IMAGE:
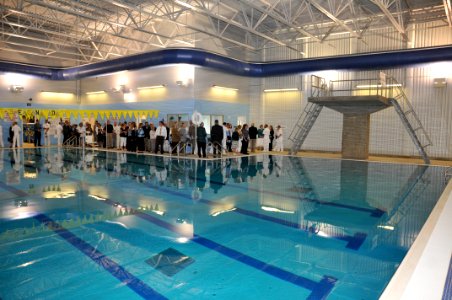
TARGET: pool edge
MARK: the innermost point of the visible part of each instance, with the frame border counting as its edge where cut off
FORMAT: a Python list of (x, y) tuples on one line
[(423, 271)]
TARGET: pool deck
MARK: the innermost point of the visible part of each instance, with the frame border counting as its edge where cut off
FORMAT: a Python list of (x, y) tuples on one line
[(426, 271)]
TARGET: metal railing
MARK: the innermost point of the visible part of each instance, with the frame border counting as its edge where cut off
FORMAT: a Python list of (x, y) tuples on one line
[(179, 149), (72, 141), (448, 174)]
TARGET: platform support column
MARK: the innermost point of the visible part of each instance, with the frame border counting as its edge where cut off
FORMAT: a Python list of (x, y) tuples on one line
[(355, 135)]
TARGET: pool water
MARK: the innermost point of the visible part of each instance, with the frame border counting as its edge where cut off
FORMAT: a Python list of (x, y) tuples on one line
[(85, 225)]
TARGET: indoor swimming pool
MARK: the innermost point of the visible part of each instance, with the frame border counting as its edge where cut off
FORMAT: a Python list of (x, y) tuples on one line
[(108, 225)]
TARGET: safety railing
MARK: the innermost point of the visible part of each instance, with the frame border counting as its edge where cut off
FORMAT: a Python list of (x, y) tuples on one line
[(72, 141), (448, 174), (180, 149), (363, 87)]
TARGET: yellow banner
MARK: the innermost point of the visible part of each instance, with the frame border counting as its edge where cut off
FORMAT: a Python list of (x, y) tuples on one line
[(46, 113)]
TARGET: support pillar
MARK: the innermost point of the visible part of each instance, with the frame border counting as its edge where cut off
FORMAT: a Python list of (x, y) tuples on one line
[(355, 135)]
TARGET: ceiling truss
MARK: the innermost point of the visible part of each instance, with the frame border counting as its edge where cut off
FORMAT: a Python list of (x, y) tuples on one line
[(74, 32)]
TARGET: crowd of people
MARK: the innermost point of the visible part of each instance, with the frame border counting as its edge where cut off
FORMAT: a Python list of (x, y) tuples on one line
[(173, 137)]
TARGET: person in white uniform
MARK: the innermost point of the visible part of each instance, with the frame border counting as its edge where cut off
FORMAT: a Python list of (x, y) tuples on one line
[(16, 137), (117, 132), (1, 136), (225, 136), (59, 134), (46, 128), (266, 139), (279, 139)]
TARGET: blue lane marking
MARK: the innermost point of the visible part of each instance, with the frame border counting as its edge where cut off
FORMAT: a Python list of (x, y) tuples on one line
[(319, 290), (447, 293), (13, 190), (98, 257)]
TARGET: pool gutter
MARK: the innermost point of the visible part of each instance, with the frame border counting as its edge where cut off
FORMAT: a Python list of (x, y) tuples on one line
[(423, 271)]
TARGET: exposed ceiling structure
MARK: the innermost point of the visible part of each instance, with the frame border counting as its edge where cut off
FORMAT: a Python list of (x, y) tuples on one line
[(75, 32)]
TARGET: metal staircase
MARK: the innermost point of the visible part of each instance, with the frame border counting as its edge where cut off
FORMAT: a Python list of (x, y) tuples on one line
[(308, 116), (409, 119)]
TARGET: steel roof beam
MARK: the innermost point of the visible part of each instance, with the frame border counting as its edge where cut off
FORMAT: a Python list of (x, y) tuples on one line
[(333, 17), (391, 18)]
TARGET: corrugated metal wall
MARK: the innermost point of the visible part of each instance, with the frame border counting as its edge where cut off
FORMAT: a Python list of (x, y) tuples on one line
[(388, 136)]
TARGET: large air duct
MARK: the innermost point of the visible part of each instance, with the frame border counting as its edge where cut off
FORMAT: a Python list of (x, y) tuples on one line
[(378, 60)]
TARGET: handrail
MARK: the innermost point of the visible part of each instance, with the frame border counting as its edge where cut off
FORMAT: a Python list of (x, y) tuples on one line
[(448, 174), (70, 141), (221, 146), (175, 147)]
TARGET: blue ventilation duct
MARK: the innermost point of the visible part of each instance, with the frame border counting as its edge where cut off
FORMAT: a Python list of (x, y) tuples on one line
[(379, 60)]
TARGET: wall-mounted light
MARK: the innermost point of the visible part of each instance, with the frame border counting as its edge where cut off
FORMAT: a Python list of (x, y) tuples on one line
[(57, 93), (439, 82), (121, 89), (224, 88), (95, 92), (151, 87), (180, 83), (16, 89), (374, 86), (280, 90)]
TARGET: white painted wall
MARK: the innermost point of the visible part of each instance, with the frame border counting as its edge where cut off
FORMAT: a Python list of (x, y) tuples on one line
[(388, 136)]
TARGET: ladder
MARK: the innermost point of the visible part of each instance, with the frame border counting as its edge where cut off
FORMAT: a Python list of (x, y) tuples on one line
[(410, 120), (309, 115), (304, 125)]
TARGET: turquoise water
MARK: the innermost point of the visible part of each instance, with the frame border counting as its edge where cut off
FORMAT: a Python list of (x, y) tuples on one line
[(126, 226)]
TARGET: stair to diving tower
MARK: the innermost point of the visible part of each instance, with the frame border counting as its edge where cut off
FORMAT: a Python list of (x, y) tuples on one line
[(304, 125), (309, 115), (410, 120)]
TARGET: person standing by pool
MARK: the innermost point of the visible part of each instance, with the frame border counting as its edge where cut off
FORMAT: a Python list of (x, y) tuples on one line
[(59, 134), (216, 136), (123, 136), (117, 132), (160, 137), (16, 135), (272, 136), (201, 135), (1, 137), (245, 139), (266, 138), (253, 137), (37, 133), (46, 133), (279, 139)]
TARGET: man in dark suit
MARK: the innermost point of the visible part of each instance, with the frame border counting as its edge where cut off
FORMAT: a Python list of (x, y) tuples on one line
[(216, 136)]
